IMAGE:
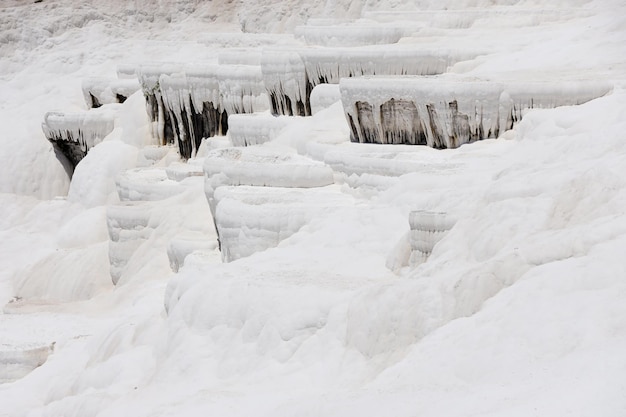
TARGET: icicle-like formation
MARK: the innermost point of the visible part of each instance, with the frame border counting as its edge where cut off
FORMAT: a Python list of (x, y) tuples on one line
[(192, 103), (329, 65), (253, 219), (349, 35), (149, 76), (445, 112), (290, 75), (286, 82), (239, 56), (128, 227), (199, 100), (427, 229), (256, 128), (241, 89), (520, 97), (99, 91), (74, 134), (420, 111)]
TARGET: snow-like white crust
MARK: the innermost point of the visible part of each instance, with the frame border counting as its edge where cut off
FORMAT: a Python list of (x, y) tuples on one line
[(76, 133), (253, 219), (446, 112), (255, 128), (99, 91)]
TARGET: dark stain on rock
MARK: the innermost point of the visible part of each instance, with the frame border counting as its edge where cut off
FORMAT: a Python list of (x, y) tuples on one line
[(365, 117), (95, 103), (401, 123), (436, 130)]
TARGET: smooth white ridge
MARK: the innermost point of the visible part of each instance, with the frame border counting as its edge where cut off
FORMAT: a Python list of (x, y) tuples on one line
[(255, 128), (146, 184), (349, 35), (324, 96), (183, 245), (239, 56), (99, 91)]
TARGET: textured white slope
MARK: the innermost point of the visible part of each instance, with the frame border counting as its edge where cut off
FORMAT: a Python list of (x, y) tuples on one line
[(517, 311)]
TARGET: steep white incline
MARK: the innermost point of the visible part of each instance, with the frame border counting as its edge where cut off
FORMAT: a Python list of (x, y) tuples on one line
[(115, 300)]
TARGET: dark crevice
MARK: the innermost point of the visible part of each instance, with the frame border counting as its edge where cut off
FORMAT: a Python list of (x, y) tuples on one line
[(95, 103)]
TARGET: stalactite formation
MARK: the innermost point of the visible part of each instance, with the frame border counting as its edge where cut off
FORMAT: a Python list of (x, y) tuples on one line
[(74, 134), (290, 75), (193, 103), (446, 113)]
